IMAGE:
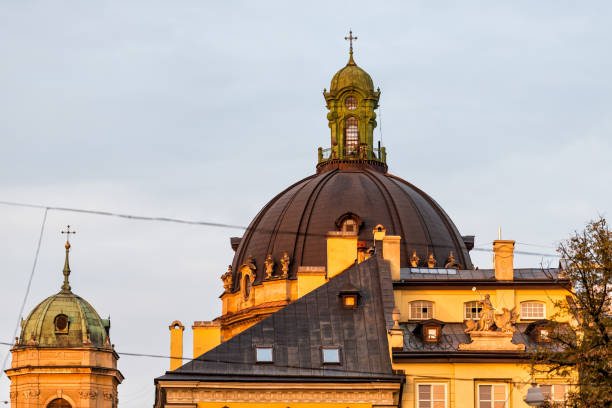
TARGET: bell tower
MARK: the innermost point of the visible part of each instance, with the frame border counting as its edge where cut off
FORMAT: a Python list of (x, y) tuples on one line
[(351, 102)]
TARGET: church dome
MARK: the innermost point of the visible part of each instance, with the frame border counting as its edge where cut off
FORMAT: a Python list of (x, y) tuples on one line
[(298, 219), (64, 320), (352, 76)]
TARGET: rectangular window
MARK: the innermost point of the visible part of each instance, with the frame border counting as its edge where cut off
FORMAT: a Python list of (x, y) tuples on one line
[(331, 355), (264, 354), (492, 396), (421, 310), (431, 396), (472, 310), (532, 311), (554, 392)]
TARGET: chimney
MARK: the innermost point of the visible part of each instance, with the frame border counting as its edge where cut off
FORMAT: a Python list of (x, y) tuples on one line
[(341, 251), (504, 259), (176, 344)]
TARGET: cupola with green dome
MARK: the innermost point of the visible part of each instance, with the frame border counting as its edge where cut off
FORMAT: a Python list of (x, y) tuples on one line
[(351, 101), (64, 319)]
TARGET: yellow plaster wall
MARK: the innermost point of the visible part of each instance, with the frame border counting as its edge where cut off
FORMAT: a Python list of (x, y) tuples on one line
[(206, 336), (341, 252), (309, 281), (461, 381), (449, 303)]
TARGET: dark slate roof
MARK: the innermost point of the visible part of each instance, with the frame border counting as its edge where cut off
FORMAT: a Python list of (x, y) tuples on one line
[(452, 334), (299, 331), (298, 219), (444, 274)]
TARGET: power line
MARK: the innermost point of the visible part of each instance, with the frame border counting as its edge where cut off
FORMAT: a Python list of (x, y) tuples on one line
[(221, 225), (25, 296), (333, 369)]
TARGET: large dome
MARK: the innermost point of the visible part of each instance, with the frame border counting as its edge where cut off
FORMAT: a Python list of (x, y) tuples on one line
[(298, 219)]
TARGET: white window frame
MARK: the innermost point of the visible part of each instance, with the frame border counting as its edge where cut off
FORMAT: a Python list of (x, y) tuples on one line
[(465, 310), (263, 347), (528, 303), (552, 391), (493, 400), (422, 302), (418, 393)]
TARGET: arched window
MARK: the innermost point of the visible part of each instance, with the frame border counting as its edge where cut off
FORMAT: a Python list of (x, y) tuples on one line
[(421, 310), (350, 103), (349, 225), (472, 310), (532, 311), (351, 136), (59, 403)]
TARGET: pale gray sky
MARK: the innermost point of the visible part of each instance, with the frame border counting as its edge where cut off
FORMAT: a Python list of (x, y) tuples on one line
[(205, 110)]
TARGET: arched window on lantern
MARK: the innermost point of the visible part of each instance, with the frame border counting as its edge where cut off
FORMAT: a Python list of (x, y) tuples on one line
[(59, 403), (351, 136)]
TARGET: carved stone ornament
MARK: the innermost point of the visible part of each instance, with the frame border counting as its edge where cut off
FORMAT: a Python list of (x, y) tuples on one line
[(452, 262), (88, 394), (31, 394), (493, 331), (285, 261), (227, 279), (269, 264), (108, 396), (414, 260), (431, 261), (13, 395)]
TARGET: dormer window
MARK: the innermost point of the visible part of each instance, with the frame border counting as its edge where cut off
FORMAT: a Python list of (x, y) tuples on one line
[(349, 226), (351, 136), (432, 333), (350, 103), (543, 335), (62, 322), (349, 223), (349, 296)]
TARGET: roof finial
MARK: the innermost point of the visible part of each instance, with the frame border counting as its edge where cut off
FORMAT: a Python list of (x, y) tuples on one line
[(66, 271), (350, 38)]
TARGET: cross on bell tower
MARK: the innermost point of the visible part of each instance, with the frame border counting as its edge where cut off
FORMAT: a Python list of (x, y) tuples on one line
[(66, 271), (350, 39)]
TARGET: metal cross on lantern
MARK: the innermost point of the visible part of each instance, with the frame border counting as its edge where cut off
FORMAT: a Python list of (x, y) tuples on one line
[(68, 232)]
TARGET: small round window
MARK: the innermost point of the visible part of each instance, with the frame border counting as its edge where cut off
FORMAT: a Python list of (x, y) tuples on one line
[(61, 323), (351, 103)]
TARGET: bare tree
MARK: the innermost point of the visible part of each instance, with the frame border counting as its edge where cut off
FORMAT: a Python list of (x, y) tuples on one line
[(583, 349)]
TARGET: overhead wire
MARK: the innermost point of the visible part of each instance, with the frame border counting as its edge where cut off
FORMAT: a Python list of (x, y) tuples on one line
[(217, 224), (332, 369), (29, 285)]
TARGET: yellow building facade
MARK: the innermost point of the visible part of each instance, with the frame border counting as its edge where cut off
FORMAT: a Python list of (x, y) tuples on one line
[(353, 288)]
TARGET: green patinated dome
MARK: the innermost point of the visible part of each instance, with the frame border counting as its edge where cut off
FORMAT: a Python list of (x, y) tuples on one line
[(352, 75), (64, 320), (44, 326)]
